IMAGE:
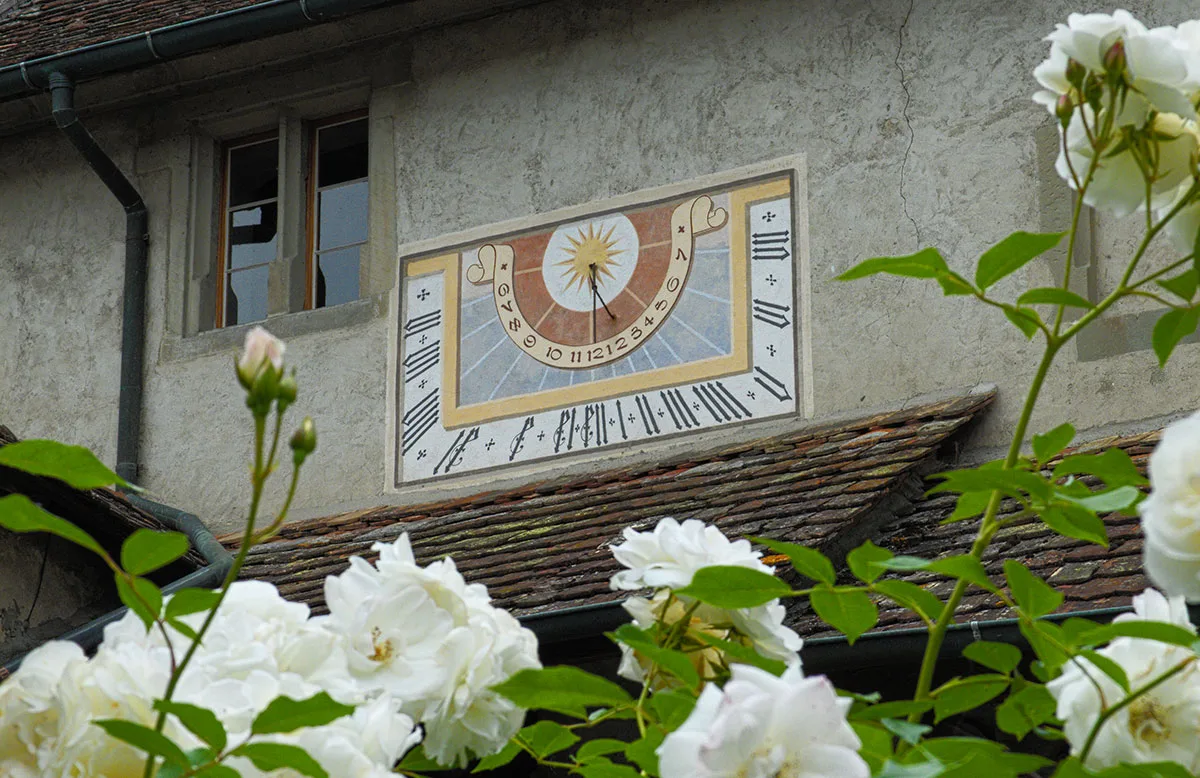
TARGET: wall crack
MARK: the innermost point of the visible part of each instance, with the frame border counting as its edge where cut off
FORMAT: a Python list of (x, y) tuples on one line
[(907, 119)]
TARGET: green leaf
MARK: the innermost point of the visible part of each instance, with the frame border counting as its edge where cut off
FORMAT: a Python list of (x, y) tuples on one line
[(876, 744), (284, 714), (1014, 483), (849, 612), (19, 514), (964, 694), (417, 761), (975, 757), (1183, 285), (676, 663), (1024, 319), (892, 710), (807, 561), (195, 757), (146, 550), (1011, 254), (671, 708), (510, 752), (74, 465), (730, 586), (1120, 499), (1046, 445), (1172, 327), (564, 689), (863, 560), (1136, 628), (142, 597), (190, 600), (740, 654), (599, 747), (1114, 467), (930, 768), (1001, 657), (926, 263), (642, 752), (965, 567), (201, 722), (547, 737), (278, 756), (911, 596), (905, 563), (144, 739), (1034, 596), (1108, 667), (1075, 521), (953, 284), (1053, 295), (968, 506), (909, 732), (1023, 711), (603, 768), (1044, 638)]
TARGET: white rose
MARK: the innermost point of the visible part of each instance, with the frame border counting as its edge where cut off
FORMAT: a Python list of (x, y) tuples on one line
[(671, 554), (760, 726), (1171, 514), (261, 348), (1160, 725), (28, 717), (1184, 225), (434, 641)]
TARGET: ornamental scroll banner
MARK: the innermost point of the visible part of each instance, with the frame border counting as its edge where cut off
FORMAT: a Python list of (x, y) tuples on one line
[(636, 322)]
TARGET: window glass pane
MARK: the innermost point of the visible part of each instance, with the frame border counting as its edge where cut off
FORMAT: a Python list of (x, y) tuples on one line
[(246, 296), (252, 235), (342, 152), (337, 277), (343, 216), (253, 172)]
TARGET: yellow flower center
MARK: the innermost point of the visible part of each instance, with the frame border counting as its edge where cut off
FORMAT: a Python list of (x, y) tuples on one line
[(1148, 721), (383, 649)]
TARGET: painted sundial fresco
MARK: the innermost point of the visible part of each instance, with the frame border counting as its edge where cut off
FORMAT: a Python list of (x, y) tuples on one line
[(652, 320)]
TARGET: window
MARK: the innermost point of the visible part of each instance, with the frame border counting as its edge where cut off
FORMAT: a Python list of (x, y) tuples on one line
[(253, 233)]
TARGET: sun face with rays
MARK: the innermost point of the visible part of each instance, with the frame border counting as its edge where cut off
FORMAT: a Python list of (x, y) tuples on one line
[(587, 250)]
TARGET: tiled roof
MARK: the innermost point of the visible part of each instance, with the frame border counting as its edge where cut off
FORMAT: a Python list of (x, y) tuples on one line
[(544, 547), (1090, 576), (34, 28), (103, 513)]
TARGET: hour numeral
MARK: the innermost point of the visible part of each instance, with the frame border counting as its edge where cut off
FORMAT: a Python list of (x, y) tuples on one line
[(769, 245), (681, 414), (518, 442), (595, 425), (772, 384), (648, 420), (720, 403), (454, 454), (419, 418), (421, 323), (564, 434), (421, 360), (771, 313)]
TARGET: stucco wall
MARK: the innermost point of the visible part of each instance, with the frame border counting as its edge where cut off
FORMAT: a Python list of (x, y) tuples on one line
[(917, 127)]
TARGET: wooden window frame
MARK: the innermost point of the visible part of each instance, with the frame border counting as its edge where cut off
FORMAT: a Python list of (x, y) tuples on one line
[(310, 201), (223, 247)]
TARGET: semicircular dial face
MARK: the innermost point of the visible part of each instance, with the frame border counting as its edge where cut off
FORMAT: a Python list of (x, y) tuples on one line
[(592, 292)]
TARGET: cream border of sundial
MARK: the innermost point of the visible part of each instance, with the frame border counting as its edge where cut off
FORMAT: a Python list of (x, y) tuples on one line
[(454, 416)]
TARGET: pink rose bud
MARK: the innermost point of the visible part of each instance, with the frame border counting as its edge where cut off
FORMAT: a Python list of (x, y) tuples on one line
[(1076, 72), (304, 440), (1114, 58), (261, 349)]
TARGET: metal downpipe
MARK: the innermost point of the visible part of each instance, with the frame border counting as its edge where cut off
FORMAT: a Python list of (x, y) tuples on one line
[(137, 240)]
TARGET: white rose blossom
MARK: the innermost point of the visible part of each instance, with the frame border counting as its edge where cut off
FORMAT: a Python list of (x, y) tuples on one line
[(434, 641), (761, 726), (1158, 726), (261, 348), (1171, 514), (668, 557)]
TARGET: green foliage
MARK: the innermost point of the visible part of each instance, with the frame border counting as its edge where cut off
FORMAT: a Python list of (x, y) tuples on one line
[(1172, 327), (1108, 667), (674, 662), (968, 506), (563, 689), (547, 737), (284, 714), (1114, 467), (190, 600), (1135, 628), (876, 744), (890, 710), (1026, 320), (505, 755), (963, 694), (417, 761), (968, 757), (671, 708), (1182, 285), (1053, 295), (74, 465), (144, 739), (1033, 596), (740, 654), (641, 751), (850, 612), (910, 595), (146, 550), (964, 567), (1025, 710), (729, 586), (863, 561), (1048, 444), (19, 514), (807, 561), (909, 732), (599, 747), (201, 722), (603, 768), (278, 756), (1071, 768), (926, 263), (1001, 657), (141, 596), (1013, 253)]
